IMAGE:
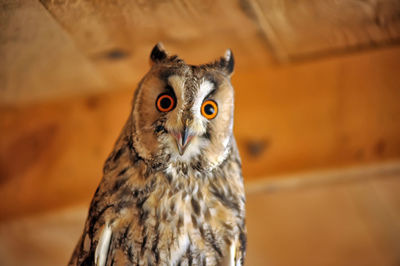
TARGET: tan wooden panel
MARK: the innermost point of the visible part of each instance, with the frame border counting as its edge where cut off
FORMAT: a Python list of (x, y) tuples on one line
[(54, 49), (378, 217), (38, 59), (304, 29), (118, 35), (133, 27), (41, 240), (319, 114), (307, 228), (322, 225), (387, 191), (87, 46), (53, 154)]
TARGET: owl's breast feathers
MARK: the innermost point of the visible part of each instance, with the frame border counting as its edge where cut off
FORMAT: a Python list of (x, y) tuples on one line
[(148, 212)]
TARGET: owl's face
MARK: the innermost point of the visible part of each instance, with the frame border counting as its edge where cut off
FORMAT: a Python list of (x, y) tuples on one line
[(183, 112)]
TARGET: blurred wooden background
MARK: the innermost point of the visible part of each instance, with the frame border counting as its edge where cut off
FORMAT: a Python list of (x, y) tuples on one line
[(317, 85)]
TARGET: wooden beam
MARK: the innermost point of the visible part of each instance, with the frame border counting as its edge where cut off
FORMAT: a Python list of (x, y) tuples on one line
[(298, 30), (325, 113), (39, 60), (53, 49), (343, 224), (118, 36)]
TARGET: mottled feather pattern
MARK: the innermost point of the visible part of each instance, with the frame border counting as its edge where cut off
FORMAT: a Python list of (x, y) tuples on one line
[(155, 206)]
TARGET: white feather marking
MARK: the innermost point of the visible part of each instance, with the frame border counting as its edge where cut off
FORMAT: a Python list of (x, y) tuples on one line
[(183, 243), (232, 254), (178, 84), (229, 258), (205, 88), (102, 246)]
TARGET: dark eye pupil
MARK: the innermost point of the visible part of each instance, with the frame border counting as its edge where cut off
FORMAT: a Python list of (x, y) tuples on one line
[(165, 103), (209, 109)]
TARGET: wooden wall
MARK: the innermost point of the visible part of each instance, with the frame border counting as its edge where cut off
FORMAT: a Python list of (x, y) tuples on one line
[(309, 95), (326, 113)]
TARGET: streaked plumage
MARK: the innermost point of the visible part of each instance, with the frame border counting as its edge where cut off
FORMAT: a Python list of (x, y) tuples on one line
[(172, 191)]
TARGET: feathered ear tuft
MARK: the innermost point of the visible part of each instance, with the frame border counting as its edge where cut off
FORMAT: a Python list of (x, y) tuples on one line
[(225, 63), (158, 53), (229, 62)]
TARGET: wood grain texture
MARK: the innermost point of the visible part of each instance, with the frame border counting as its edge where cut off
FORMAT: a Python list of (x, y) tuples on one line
[(320, 114), (39, 60), (340, 224), (134, 26), (55, 49), (117, 36), (52, 154), (305, 29), (46, 239)]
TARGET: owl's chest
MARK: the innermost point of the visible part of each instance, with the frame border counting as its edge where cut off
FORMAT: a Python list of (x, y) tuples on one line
[(189, 223)]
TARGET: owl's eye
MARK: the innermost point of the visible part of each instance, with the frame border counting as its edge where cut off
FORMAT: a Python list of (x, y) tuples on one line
[(165, 102), (209, 109)]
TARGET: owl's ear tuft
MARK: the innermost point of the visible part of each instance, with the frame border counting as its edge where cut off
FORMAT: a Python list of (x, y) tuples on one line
[(158, 53), (226, 63), (230, 61)]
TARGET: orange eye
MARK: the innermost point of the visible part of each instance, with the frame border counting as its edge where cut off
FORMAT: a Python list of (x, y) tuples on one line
[(209, 109), (165, 102)]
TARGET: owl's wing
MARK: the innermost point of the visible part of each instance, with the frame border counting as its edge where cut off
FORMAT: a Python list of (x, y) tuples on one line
[(229, 258), (100, 255), (89, 252), (111, 195), (234, 256), (101, 227)]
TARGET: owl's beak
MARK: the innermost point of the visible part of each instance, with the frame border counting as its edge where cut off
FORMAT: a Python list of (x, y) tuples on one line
[(182, 140)]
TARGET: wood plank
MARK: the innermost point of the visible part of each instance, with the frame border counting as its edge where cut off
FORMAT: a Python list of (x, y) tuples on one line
[(53, 49), (321, 225), (307, 228), (52, 154), (384, 227), (41, 240), (86, 46), (131, 26), (38, 59), (387, 191), (319, 114), (305, 29), (118, 36), (386, 187)]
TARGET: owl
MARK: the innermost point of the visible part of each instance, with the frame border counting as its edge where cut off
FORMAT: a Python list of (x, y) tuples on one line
[(172, 188)]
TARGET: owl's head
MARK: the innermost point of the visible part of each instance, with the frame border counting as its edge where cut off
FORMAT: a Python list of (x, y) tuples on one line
[(184, 113)]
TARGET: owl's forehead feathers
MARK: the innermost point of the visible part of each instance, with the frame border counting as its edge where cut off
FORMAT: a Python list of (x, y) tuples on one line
[(189, 90)]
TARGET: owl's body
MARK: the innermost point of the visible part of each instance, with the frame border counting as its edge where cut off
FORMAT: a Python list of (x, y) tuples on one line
[(172, 191)]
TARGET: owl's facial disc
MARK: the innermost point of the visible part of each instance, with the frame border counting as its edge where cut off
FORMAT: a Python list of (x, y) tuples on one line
[(182, 139)]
